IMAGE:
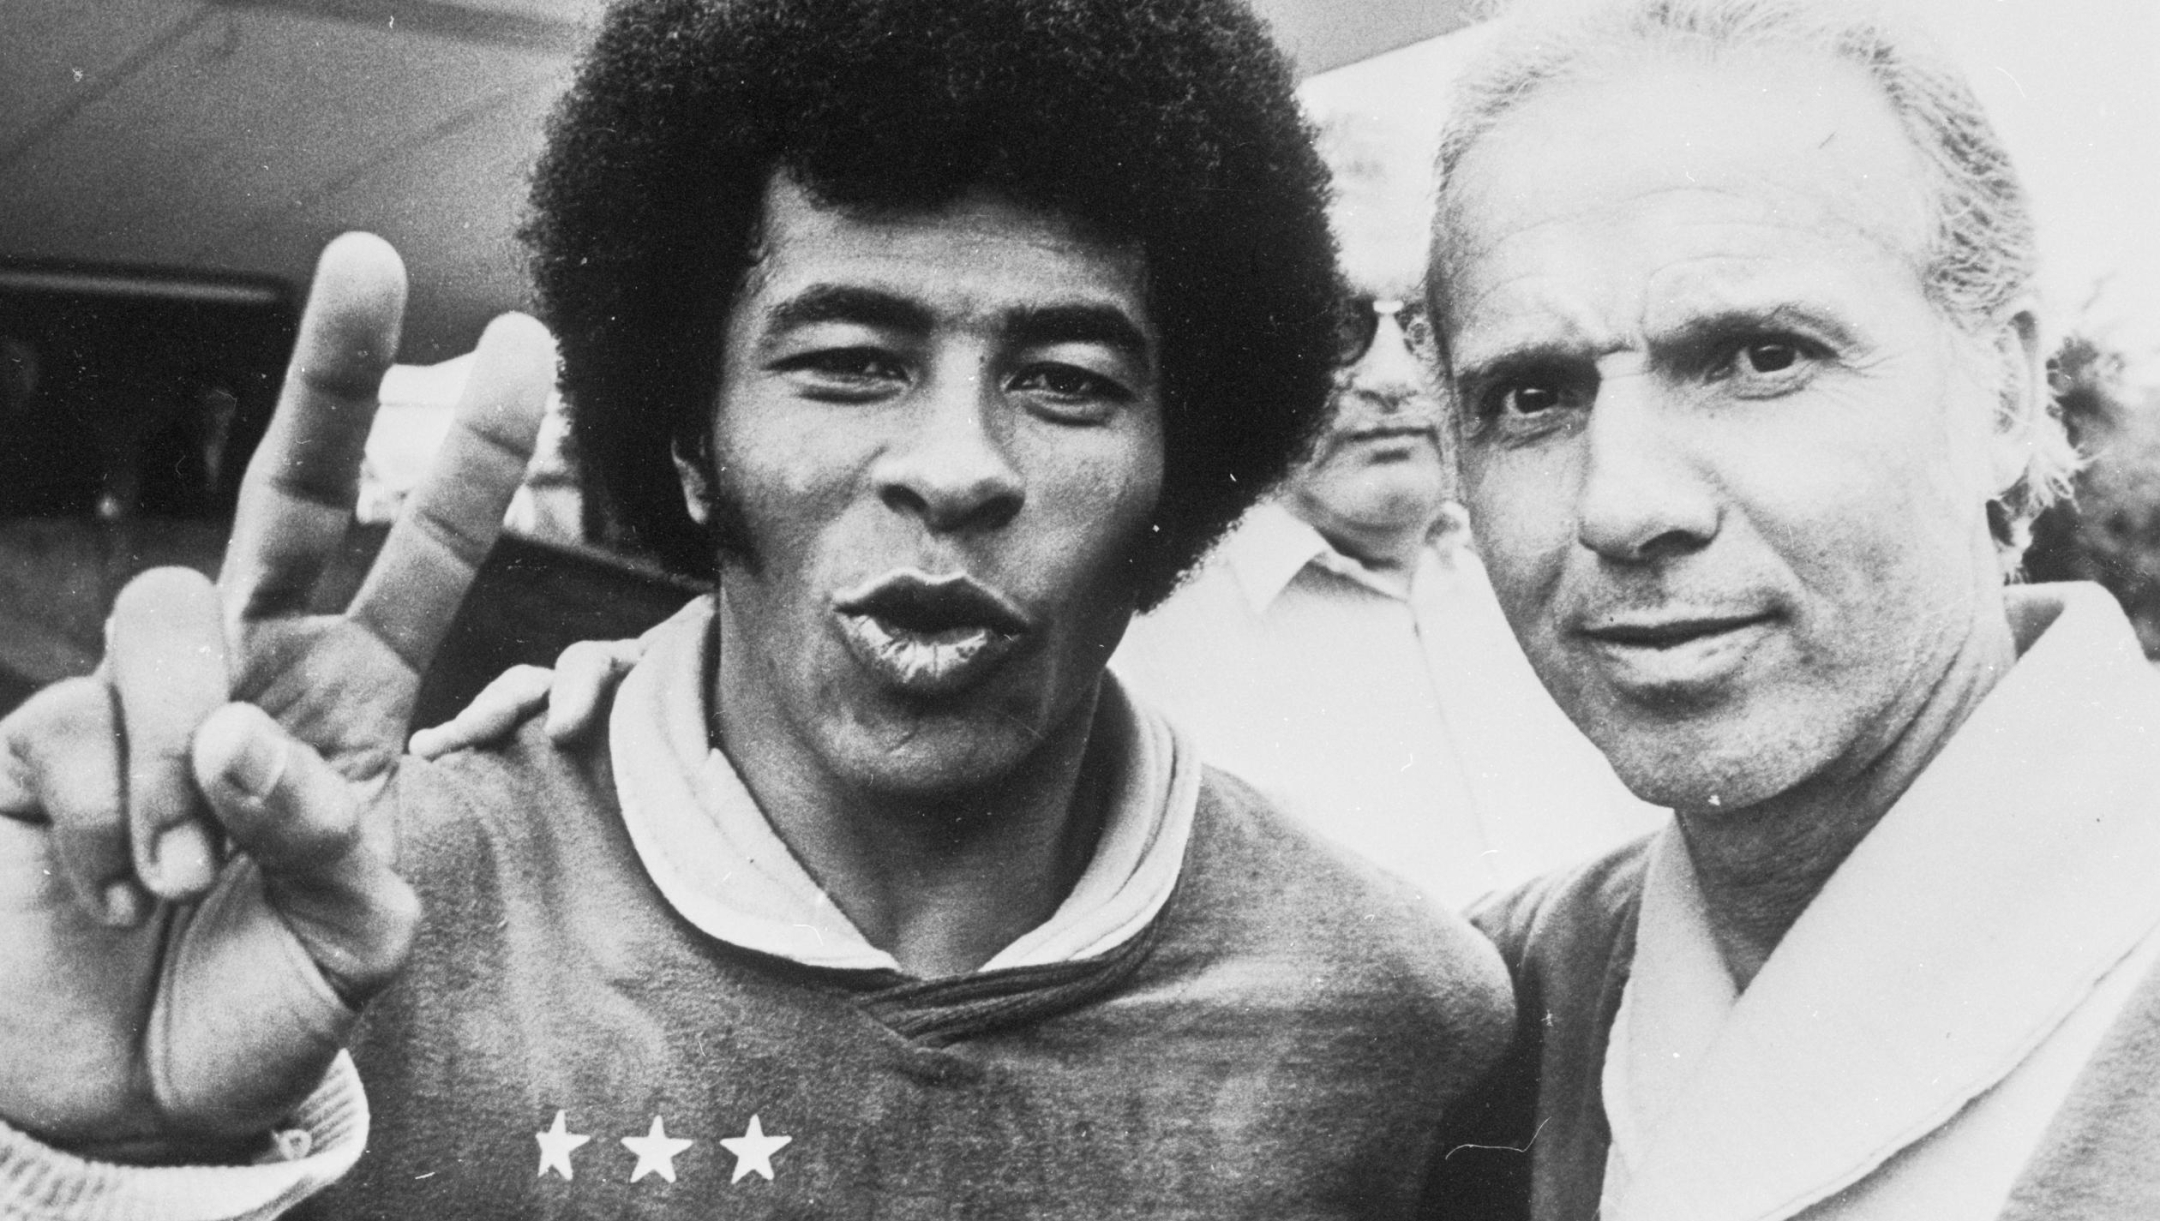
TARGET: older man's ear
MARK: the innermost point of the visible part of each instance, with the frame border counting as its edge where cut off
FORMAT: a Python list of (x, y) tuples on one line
[(2022, 400)]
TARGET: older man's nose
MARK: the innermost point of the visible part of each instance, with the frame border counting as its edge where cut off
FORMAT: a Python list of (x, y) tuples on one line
[(1642, 495), (950, 467)]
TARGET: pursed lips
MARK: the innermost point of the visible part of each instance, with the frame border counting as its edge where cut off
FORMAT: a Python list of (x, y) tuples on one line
[(929, 635)]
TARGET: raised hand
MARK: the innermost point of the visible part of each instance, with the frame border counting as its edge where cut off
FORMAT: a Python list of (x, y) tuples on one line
[(194, 893)]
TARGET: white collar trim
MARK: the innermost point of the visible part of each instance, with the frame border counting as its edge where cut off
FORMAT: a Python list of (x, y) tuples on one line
[(1980, 912), (719, 863)]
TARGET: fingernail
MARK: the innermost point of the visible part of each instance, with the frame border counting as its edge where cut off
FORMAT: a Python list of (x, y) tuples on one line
[(257, 766), (125, 904), (182, 859)]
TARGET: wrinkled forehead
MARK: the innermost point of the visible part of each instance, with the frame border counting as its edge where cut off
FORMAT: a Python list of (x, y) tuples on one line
[(1780, 137)]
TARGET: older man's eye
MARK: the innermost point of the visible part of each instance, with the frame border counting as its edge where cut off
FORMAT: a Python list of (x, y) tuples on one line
[(1530, 400), (1520, 398), (1523, 398), (1767, 366), (1770, 356)]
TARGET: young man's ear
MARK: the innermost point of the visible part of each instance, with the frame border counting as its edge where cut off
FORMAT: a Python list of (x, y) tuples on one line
[(693, 471)]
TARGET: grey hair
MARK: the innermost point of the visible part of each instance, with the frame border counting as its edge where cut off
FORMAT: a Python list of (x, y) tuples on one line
[(1977, 262)]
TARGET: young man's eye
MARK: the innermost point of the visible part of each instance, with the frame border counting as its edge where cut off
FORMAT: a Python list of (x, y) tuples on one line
[(844, 372), (1069, 391), (1067, 381), (853, 362)]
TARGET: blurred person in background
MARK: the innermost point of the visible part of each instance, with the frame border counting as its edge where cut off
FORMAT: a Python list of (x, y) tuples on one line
[(1342, 649)]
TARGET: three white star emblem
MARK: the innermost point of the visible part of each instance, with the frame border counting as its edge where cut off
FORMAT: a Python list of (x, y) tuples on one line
[(753, 1150), (655, 1151), (555, 1146)]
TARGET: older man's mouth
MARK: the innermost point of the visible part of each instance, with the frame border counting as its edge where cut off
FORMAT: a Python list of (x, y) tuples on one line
[(929, 635), (1674, 651)]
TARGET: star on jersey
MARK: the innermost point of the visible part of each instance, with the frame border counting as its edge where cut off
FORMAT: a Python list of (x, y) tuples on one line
[(655, 1151), (753, 1150), (555, 1146)]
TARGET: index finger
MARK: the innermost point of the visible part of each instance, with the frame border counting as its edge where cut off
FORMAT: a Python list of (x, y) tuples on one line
[(436, 547), (168, 665), (297, 497)]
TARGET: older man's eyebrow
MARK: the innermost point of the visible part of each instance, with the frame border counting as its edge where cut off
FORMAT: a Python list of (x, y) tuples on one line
[(850, 303), (1550, 331), (1713, 331), (1040, 326), (1501, 362)]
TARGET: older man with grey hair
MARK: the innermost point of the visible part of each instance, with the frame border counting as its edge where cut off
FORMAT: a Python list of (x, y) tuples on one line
[(1734, 302)]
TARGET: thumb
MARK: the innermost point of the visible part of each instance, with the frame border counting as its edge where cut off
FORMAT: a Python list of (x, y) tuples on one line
[(301, 823), (167, 660)]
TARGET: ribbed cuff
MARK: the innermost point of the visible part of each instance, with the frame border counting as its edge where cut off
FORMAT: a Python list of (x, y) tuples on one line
[(314, 1148)]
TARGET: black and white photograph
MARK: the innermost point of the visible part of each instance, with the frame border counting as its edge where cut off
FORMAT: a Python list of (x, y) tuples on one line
[(1534, 610)]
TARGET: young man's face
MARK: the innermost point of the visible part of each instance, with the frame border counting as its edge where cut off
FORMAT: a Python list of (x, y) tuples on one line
[(1727, 463), (942, 435)]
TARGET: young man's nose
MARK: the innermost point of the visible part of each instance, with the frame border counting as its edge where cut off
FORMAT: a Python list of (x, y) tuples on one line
[(952, 469)]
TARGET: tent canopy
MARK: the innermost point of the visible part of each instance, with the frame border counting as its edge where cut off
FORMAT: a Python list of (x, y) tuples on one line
[(240, 135)]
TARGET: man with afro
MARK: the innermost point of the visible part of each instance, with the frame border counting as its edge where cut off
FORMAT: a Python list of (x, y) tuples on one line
[(943, 335)]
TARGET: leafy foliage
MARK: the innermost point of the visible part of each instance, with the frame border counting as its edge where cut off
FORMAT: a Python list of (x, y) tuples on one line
[(2111, 534)]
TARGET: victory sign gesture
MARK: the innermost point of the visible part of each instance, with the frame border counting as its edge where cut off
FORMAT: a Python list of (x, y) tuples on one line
[(197, 854)]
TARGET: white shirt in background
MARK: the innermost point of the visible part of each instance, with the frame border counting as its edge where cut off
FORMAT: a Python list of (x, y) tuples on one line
[(1409, 729)]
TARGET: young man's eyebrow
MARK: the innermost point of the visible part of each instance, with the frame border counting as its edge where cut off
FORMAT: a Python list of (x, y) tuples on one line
[(846, 303), (1100, 324)]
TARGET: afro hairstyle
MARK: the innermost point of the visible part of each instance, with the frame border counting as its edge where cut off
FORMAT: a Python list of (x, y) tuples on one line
[(1168, 124)]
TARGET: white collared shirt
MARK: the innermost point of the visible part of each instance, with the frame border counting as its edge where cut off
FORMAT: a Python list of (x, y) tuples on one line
[(1903, 1049), (1407, 728)]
